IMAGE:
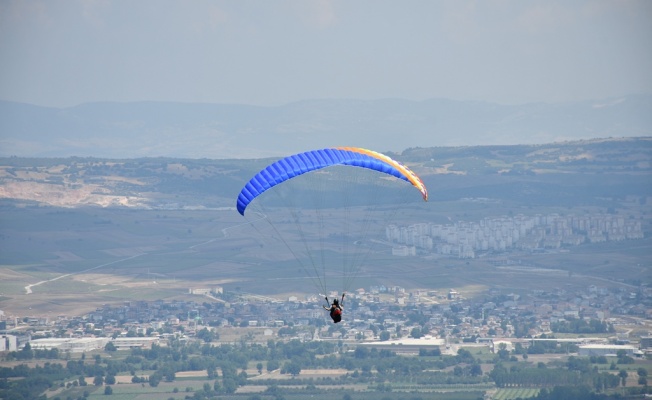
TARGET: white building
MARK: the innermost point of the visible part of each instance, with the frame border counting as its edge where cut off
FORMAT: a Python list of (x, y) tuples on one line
[(8, 343), (404, 251), (497, 345), (206, 291), (133, 342), (605, 350), (74, 345)]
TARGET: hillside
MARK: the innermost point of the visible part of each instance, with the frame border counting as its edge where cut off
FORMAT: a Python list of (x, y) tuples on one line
[(217, 131), (584, 172)]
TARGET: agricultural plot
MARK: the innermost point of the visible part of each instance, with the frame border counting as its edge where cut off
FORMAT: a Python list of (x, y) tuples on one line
[(515, 393)]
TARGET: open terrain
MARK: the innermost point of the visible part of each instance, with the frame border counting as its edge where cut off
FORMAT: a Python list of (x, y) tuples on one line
[(109, 230)]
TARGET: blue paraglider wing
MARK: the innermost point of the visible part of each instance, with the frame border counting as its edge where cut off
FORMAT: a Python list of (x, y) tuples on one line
[(298, 164)]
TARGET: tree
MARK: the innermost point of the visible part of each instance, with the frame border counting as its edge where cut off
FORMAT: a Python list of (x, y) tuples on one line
[(476, 370), (110, 347), (169, 375), (108, 390), (154, 380), (241, 380), (272, 365), (384, 336), (26, 353), (578, 364), (98, 380), (503, 354), (601, 360), (206, 335), (361, 352), (230, 386), (293, 368), (623, 377)]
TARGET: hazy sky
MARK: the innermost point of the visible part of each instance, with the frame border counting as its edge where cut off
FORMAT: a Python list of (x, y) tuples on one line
[(263, 52)]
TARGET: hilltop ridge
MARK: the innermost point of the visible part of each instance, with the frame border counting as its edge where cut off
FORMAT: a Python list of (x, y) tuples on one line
[(589, 170)]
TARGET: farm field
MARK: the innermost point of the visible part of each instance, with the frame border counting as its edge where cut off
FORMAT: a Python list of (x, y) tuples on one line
[(188, 387), (189, 382), (514, 393)]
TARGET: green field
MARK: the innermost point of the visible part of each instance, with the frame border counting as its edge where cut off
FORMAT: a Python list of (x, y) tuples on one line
[(515, 393)]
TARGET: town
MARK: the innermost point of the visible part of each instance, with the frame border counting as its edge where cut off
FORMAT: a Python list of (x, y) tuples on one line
[(528, 233), (603, 319), (600, 325)]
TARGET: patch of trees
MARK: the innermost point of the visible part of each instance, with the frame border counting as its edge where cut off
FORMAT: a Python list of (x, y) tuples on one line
[(22, 382), (571, 392), (623, 358), (27, 353), (429, 353), (545, 347), (226, 367), (577, 372), (581, 326), (365, 365)]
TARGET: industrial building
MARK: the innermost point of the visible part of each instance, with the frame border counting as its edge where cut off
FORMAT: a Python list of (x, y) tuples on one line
[(74, 345), (588, 350), (80, 345)]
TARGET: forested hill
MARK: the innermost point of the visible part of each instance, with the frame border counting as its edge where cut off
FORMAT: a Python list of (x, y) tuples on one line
[(570, 173)]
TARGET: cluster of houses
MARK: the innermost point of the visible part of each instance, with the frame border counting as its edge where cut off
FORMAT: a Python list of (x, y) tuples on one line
[(529, 233), (380, 315)]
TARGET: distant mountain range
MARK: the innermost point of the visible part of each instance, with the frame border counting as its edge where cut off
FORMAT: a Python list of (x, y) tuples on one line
[(217, 131)]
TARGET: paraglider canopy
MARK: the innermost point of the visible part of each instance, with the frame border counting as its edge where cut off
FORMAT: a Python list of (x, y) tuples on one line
[(328, 209), (298, 164)]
